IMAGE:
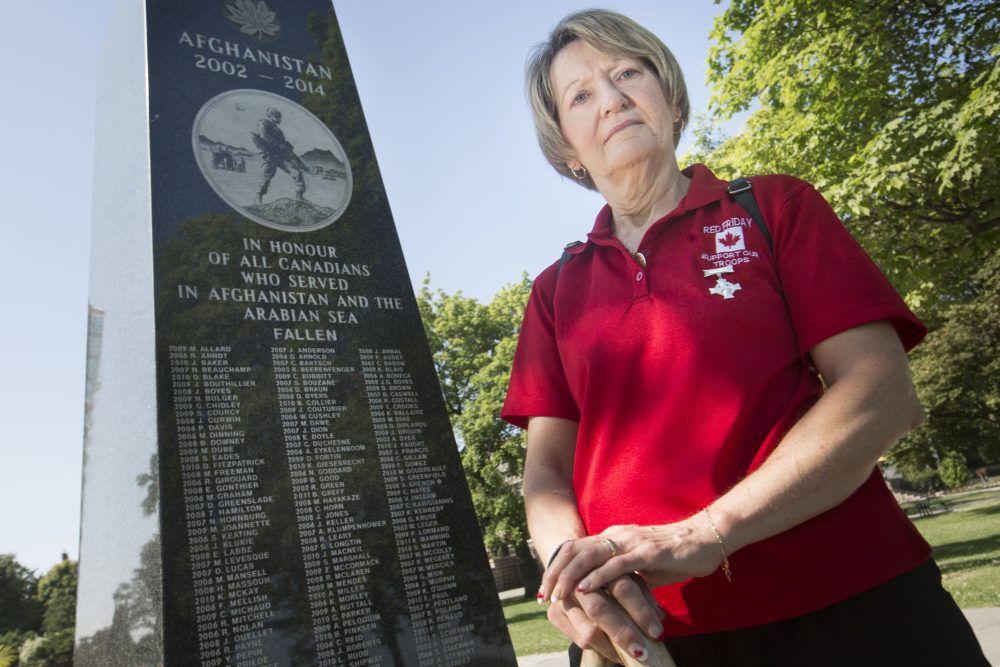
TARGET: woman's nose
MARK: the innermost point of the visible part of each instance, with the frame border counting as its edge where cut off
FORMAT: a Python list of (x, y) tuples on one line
[(612, 99)]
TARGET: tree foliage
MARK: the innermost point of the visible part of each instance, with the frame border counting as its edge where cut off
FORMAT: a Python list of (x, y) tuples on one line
[(893, 110), (20, 611), (952, 470), (957, 374), (49, 650), (462, 336), (34, 652), (57, 594), (37, 616), (473, 348), (890, 108)]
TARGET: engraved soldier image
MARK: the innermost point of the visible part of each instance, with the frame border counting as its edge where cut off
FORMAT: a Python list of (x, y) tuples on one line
[(276, 153), (263, 154)]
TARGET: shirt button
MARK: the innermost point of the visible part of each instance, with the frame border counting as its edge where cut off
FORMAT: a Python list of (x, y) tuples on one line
[(638, 276)]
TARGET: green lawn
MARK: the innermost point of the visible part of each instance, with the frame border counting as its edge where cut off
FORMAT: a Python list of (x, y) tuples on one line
[(530, 630), (966, 545)]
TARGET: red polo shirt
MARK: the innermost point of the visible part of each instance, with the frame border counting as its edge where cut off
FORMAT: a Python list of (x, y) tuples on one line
[(683, 382)]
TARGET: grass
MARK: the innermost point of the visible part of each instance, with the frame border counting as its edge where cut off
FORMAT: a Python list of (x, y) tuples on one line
[(966, 545), (962, 501), (530, 630)]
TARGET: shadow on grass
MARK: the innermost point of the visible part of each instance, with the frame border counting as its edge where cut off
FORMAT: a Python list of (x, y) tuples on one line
[(532, 613), (984, 546), (988, 510), (968, 565), (533, 616)]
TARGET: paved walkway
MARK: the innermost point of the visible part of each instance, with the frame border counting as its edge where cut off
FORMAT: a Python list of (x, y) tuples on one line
[(986, 623)]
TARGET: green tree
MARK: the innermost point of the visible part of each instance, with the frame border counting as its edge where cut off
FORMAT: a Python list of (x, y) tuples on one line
[(30, 607), (49, 650), (462, 335), (34, 653), (957, 374), (20, 611), (891, 109), (57, 594), (473, 347)]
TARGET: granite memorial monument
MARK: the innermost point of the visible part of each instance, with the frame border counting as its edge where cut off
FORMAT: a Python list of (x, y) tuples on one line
[(270, 476)]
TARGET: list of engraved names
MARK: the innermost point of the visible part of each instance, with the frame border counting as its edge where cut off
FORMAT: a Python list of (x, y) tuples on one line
[(223, 508), (337, 566), (426, 559)]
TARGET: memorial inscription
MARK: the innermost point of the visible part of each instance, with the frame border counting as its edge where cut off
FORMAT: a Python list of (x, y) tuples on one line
[(310, 501)]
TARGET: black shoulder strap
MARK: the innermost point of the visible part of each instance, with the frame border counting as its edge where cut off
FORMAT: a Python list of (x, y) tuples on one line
[(741, 191), (566, 256)]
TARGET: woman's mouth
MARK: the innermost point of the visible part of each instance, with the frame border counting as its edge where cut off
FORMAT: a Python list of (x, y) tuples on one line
[(621, 126)]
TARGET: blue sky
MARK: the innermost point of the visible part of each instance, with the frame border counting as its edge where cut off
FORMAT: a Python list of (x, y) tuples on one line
[(473, 199)]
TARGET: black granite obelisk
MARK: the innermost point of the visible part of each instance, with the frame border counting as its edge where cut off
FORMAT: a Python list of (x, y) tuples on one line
[(270, 475)]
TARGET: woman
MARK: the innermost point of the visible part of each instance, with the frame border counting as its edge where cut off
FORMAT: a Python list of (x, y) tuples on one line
[(683, 455)]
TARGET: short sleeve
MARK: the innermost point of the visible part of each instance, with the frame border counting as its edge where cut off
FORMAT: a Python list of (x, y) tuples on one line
[(830, 282), (538, 386)]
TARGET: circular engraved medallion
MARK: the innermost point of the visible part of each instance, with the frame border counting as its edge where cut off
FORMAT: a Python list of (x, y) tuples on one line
[(272, 160)]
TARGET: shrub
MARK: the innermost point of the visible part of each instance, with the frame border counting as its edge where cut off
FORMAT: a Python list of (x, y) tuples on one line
[(952, 470)]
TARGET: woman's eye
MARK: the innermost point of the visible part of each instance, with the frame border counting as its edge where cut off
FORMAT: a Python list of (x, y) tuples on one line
[(629, 73), (580, 98)]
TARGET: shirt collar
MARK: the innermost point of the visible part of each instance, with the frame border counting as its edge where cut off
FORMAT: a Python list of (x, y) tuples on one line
[(704, 189)]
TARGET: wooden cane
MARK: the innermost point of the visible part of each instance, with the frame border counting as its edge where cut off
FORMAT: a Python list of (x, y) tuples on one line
[(658, 656)]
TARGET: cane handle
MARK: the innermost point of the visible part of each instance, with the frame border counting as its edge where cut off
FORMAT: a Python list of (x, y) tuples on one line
[(657, 654)]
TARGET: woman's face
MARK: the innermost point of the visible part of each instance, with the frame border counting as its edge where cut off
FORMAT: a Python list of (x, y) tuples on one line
[(611, 111)]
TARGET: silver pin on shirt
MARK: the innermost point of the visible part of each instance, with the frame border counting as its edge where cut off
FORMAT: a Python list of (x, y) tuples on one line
[(722, 287)]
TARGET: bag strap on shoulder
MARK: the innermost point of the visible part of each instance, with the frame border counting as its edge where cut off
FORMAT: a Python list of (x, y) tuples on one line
[(569, 251), (741, 190)]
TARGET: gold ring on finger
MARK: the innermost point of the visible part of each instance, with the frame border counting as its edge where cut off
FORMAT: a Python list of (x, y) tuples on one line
[(612, 546)]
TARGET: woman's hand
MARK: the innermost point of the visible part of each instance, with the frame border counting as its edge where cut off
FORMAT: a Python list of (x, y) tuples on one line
[(587, 570), (662, 555), (594, 620)]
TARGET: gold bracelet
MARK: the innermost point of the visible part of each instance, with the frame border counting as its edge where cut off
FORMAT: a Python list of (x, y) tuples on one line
[(722, 547)]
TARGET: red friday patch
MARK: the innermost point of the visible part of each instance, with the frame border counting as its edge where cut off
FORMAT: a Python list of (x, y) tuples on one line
[(730, 243), (730, 240)]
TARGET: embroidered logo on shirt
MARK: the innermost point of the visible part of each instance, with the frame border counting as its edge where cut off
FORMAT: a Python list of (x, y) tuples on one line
[(729, 240)]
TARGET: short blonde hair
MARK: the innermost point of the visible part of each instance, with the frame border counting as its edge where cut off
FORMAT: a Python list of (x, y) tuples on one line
[(610, 33)]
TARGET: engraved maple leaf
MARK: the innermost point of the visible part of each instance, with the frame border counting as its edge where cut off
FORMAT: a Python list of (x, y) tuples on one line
[(253, 18), (729, 239)]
